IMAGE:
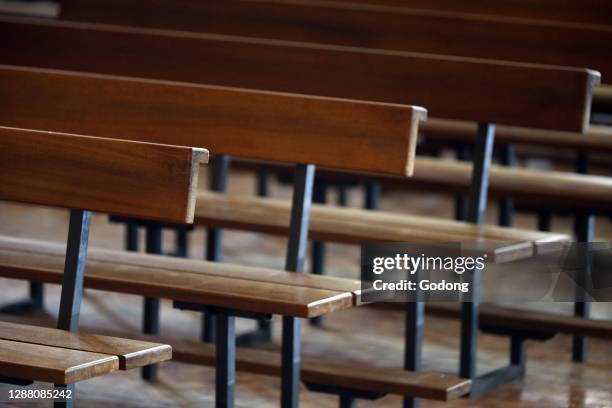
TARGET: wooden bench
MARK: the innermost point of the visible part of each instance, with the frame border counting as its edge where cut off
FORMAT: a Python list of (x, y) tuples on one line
[(60, 357), (233, 119), (389, 28), (89, 174), (284, 58)]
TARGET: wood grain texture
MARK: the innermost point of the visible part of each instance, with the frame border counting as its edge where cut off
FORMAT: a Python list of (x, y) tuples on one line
[(286, 297), (52, 364), (355, 226), (265, 125), (571, 11), (530, 186), (596, 139), (427, 384), (105, 175), (131, 353), (501, 92), (563, 189)]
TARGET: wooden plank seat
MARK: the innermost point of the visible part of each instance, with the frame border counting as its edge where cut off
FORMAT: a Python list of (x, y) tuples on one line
[(61, 357), (220, 285), (539, 188), (87, 173), (378, 380), (354, 226)]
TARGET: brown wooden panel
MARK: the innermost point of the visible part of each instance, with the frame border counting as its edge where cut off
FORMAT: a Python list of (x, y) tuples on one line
[(343, 23), (264, 125), (354, 226), (596, 139), (427, 384), (52, 364), (131, 353), (582, 11), (500, 92), (234, 293), (105, 175), (192, 266)]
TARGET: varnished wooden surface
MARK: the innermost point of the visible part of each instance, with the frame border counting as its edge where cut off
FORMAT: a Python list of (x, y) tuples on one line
[(105, 175), (52, 364), (501, 92), (341, 23), (428, 385), (285, 297), (564, 189), (131, 353), (194, 266), (354, 226), (585, 11), (270, 126), (597, 139), (359, 336), (531, 186)]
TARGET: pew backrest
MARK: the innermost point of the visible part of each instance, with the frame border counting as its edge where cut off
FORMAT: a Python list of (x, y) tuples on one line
[(270, 126), (390, 28), (571, 11), (98, 174), (516, 94)]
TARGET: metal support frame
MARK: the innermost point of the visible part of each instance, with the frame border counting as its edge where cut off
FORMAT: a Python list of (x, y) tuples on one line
[(263, 182), (373, 191), (461, 200), (74, 270), (72, 283), (225, 360), (483, 151), (544, 220), (585, 231), (506, 205), (318, 247), (151, 306), (296, 252), (413, 337), (214, 236)]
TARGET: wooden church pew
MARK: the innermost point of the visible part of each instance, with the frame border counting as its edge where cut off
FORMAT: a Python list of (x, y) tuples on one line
[(87, 174)]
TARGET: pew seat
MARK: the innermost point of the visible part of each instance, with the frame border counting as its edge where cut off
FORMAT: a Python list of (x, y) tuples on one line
[(426, 384), (218, 285), (61, 357), (529, 186), (354, 226)]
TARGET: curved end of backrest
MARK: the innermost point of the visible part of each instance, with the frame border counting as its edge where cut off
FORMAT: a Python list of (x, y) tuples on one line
[(593, 79), (198, 157), (418, 114)]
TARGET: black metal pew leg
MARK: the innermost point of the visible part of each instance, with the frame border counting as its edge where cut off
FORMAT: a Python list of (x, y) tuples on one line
[(225, 369), (506, 205), (318, 247), (373, 191), (151, 306), (413, 337), (585, 231)]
